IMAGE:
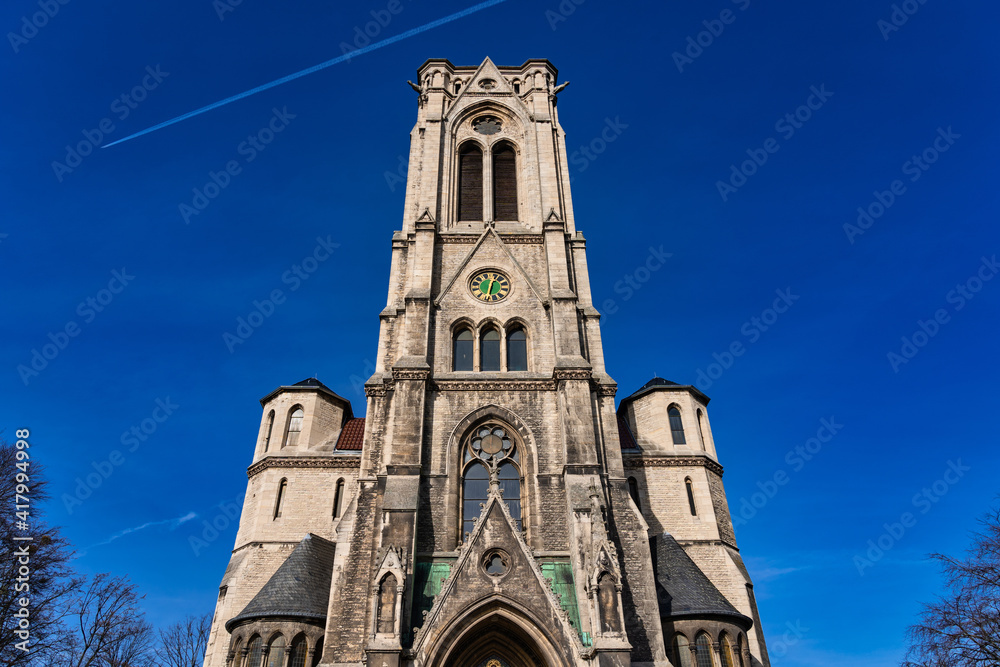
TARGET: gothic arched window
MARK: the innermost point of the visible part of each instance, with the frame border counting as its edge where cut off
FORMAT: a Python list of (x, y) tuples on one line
[(489, 350), (676, 425), (387, 604), (490, 447), (294, 427), (338, 498), (297, 657), (633, 490), (462, 351), (504, 182), (726, 649), (470, 182), (236, 652), (703, 646), (517, 349), (740, 647), (276, 652), (268, 428), (255, 651), (689, 486), (682, 651), (280, 500), (474, 488), (317, 652)]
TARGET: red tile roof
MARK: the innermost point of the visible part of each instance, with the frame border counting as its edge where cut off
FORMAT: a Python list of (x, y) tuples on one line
[(625, 435), (353, 435)]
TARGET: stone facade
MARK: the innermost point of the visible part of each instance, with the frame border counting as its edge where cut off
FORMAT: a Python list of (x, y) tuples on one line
[(494, 508)]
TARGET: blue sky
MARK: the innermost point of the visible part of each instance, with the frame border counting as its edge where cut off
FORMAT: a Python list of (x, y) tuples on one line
[(865, 99)]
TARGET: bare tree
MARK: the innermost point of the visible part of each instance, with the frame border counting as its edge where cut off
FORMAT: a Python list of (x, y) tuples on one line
[(962, 627), (106, 627), (183, 643), (47, 582)]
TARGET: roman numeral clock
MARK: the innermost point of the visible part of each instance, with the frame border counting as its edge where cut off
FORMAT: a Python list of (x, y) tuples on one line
[(490, 286)]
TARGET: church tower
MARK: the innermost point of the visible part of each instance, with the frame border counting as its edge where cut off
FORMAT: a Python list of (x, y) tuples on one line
[(493, 509)]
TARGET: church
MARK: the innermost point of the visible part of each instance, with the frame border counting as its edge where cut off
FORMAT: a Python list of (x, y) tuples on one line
[(493, 508)]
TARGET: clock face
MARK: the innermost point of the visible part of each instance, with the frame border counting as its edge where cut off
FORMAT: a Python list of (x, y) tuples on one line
[(490, 286)]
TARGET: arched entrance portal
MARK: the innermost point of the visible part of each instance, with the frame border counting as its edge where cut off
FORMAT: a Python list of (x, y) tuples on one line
[(498, 635), (495, 642)]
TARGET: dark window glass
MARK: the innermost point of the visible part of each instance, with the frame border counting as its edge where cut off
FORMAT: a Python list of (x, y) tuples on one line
[(517, 350), (504, 183), (256, 650), (704, 651), (338, 498), (474, 489), (268, 428), (727, 652), (676, 426), (463, 351), (281, 498), (690, 492), (317, 652), (633, 490), (510, 484), (489, 351), (470, 183), (297, 658)]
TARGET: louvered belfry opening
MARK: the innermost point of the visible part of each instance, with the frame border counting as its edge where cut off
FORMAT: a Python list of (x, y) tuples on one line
[(470, 182), (504, 183)]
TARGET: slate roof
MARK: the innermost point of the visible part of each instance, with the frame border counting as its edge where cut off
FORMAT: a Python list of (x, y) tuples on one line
[(683, 590), (352, 436), (310, 383), (656, 382), (299, 589)]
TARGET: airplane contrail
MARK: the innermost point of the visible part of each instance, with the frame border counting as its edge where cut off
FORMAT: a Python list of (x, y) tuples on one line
[(314, 68)]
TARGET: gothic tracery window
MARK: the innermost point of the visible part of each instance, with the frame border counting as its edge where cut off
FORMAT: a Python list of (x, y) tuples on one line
[(490, 448), (255, 651), (682, 651)]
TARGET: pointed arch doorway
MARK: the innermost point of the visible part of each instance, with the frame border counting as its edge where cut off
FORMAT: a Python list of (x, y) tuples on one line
[(498, 635), (496, 641)]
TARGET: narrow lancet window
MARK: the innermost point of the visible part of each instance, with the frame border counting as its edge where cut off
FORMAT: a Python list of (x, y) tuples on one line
[(280, 500), (517, 350), (504, 183), (690, 493), (489, 351), (470, 183), (462, 358), (676, 425), (294, 427)]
